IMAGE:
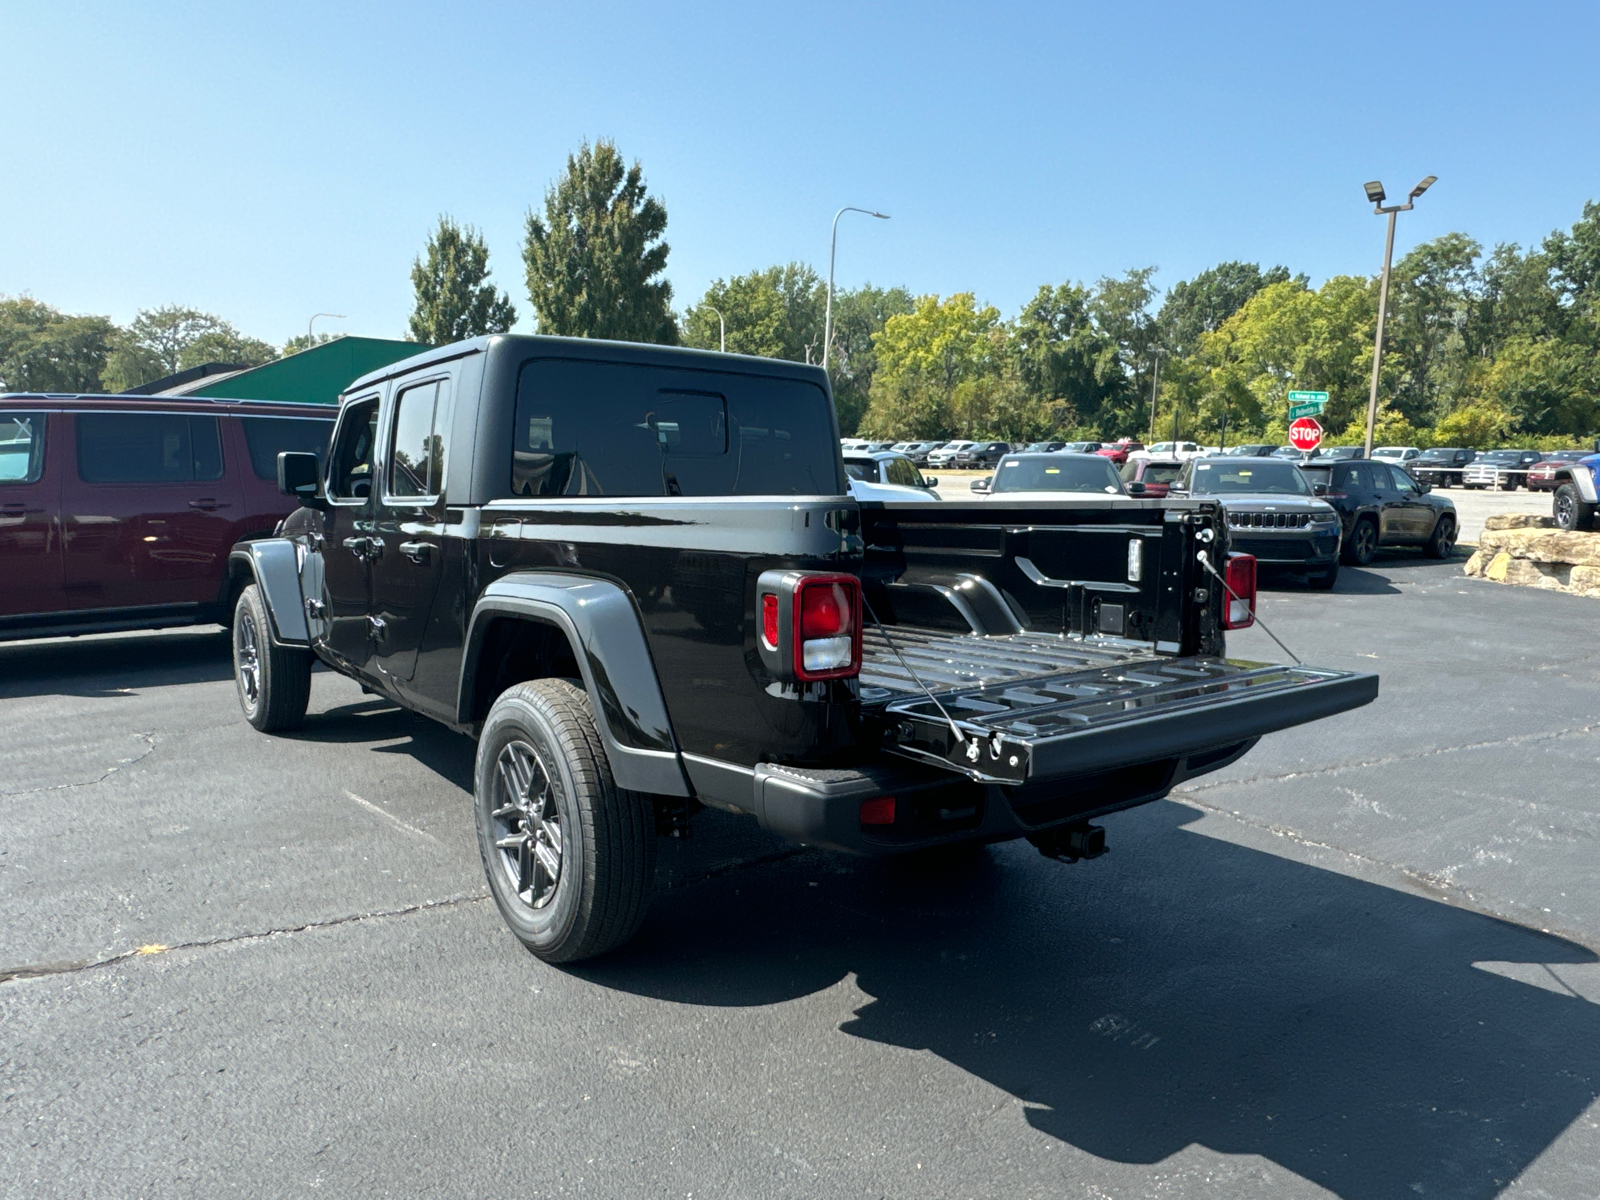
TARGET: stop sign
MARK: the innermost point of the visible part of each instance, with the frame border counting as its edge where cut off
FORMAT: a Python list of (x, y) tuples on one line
[(1305, 433)]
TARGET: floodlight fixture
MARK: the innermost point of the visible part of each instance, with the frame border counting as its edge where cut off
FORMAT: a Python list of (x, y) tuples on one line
[(1424, 186), (1375, 192)]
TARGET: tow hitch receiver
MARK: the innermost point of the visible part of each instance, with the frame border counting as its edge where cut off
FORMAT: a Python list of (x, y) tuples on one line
[(1069, 843)]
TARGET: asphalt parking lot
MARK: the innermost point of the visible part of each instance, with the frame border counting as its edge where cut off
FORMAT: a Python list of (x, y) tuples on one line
[(1361, 962)]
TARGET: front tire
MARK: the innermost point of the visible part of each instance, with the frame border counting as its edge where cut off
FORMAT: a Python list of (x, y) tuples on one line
[(1570, 510), (1442, 542), (1323, 581), (274, 681), (570, 857)]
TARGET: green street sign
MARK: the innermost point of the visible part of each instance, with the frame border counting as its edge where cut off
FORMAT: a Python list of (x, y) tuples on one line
[(1306, 404)]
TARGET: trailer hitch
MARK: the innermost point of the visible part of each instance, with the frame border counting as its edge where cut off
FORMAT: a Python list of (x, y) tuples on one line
[(1069, 843)]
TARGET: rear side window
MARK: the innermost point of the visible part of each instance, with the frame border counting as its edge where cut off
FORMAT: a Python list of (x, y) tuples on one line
[(267, 437), (147, 448), (613, 429), (21, 447), (416, 456), (902, 472)]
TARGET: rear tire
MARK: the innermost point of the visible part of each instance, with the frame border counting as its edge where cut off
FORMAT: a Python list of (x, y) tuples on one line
[(1570, 510), (1442, 542), (1363, 543), (570, 857), (274, 681)]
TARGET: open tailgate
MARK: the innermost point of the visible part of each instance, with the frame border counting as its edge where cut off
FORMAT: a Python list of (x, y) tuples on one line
[(1045, 706)]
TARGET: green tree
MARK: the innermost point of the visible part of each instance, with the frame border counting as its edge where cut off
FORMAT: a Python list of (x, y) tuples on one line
[(1433, 292), (1070, 367), (45, 350), (164, 341), (775, 313), (594, 258), (308, 341), (1198, 306), (923, 357), (454, 298), (1288, 336), (859, 316)]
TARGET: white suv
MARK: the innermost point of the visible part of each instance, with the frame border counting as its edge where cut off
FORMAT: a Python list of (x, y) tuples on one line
[(945, 454)]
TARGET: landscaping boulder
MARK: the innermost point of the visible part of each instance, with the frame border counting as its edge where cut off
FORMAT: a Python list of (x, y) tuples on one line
[(1526, 550)]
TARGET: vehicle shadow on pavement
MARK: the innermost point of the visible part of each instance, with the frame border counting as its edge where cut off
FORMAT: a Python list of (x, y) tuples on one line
[(1181, 990), (379, 720), (1353, 581), (113, 666)]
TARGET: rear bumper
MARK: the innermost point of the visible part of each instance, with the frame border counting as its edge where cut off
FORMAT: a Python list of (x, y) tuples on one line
[(934, 808)]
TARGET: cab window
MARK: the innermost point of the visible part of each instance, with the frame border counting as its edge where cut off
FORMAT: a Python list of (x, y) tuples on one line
[(416, 457), (350, 472), (21, 447), (901, 471)]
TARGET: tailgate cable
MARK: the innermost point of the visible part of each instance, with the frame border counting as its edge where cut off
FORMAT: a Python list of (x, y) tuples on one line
[(1205, 561), (915, 678)]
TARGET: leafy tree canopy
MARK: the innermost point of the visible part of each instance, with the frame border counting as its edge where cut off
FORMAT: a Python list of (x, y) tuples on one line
[(45, 350), (454, 298), (594, 258), (164, 341)]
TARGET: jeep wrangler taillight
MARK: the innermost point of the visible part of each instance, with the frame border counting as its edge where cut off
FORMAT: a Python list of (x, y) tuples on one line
[(1239, 609), (810, 624)]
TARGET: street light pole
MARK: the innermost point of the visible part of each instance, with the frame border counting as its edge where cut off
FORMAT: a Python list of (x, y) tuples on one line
[(313, 321), (1155, 380), (1375, 194), (722, 329), (833, 245)]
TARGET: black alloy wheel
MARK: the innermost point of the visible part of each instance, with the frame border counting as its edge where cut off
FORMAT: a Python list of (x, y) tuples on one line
[(1442, 544), (570, 857), (1570, 510), (1363, 543)]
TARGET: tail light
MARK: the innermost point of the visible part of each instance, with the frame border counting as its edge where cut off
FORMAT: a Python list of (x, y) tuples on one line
[(1240, 602), (810, 624)]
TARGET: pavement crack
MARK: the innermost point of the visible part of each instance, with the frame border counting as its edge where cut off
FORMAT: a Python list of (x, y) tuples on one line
[(1516, 739), (40, 970), (149, 749)]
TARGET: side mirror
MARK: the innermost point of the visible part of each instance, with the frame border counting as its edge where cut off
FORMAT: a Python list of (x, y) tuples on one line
[(1319, 489), (930, 481), (983, 485), (299, 475), (1426, 487), (1135, 488), (1177, 490)]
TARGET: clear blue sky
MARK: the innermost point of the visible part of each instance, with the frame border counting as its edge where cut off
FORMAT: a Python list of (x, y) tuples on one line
[(268, 161)]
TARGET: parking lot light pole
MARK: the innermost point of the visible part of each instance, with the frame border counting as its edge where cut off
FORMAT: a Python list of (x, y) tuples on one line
[(722, 329), (833, 244), (1375, 194), (1155, 381), (313, 321)]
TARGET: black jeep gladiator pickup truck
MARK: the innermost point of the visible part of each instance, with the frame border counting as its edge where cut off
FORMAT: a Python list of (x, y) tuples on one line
[(636, 576)]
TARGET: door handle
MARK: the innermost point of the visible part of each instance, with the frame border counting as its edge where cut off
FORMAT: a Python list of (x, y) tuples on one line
[(357, 546), (207, 504), (417, 552)]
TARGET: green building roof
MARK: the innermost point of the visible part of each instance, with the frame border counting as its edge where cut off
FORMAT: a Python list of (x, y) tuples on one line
[(316, 375)]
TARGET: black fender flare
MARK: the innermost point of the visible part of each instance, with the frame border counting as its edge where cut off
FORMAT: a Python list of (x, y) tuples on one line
[(1582, 480), (601, 624), (274, 565)]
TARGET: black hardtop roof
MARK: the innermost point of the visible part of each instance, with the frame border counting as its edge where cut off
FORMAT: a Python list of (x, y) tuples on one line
[(595, 350)]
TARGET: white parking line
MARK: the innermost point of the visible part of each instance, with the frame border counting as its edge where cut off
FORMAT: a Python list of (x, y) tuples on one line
[(389, 816)]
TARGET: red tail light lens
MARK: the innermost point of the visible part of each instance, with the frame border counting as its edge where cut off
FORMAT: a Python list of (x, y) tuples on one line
[(878, 811), (1239, 605), (827, 635), (769, 621)]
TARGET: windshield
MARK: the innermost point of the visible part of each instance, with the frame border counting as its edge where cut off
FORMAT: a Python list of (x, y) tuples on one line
[(1057, 473), (1256, 476), (1501, 455), (1437, 454)]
